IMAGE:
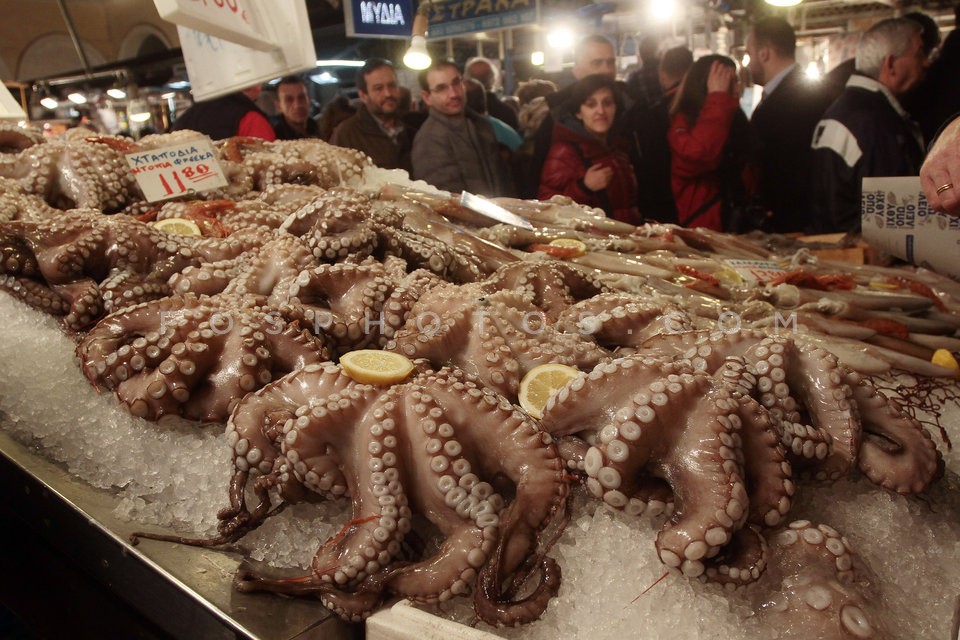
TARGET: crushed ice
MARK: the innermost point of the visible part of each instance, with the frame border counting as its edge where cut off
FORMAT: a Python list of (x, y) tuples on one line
[(175, 475)]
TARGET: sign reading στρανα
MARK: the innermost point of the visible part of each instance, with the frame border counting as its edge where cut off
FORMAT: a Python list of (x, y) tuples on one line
[(456, 17), (168, 172)]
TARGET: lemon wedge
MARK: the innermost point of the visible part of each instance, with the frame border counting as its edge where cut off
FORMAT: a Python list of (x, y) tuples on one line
[(540, 383), (182, 226), (579, 248), (372, 366), (943, 358)]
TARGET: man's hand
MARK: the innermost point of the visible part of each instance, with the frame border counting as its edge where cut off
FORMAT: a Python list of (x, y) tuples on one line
[(940, 173)]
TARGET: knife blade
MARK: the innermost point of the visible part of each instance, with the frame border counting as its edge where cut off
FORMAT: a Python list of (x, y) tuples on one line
[(492, 210)]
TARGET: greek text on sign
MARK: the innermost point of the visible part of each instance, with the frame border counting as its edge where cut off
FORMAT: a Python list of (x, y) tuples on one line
[(168, 172), (381, 13), (457, 17), (757, 270)]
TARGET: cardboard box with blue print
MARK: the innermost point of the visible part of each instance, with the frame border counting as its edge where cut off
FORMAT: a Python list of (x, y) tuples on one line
[(898, 219)]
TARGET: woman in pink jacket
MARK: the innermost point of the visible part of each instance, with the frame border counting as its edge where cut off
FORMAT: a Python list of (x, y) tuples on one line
[(709, 141)]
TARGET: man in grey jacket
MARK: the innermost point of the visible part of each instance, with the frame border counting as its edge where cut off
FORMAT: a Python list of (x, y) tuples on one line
[(456, 149)]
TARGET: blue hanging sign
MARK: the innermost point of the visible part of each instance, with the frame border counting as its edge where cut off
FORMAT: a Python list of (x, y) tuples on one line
[(379, 18), (455, 17)]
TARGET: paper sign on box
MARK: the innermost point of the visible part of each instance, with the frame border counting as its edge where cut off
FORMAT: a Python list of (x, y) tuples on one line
[(897, 218)]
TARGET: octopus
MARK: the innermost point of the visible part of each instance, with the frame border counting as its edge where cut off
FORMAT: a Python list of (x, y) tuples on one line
[(712, 436), (438, 445), (14, 139), (306, 162), (359, 305), (497, 329), (86, 264), (816, 586), (73, 173), (829, 417), (195, 356), (343, 223), (659, 437)]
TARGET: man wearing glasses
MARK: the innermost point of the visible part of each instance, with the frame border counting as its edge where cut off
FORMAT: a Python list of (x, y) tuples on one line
[(456, 149)]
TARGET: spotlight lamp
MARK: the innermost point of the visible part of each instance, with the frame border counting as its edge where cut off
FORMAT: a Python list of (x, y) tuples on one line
[(416, 56)]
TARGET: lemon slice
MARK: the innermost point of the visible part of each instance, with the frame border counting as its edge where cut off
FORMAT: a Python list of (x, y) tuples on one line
[(182, 226), (541, 383), (571, 243), (944, 358), (372, 366)]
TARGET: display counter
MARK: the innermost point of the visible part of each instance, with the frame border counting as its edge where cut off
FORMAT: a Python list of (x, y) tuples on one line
[(185, 591)]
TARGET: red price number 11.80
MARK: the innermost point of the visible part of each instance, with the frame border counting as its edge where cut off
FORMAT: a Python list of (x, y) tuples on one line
[(174, 185)]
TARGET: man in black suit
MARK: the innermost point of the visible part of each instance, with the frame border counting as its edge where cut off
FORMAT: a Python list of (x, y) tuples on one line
[(784, 122)]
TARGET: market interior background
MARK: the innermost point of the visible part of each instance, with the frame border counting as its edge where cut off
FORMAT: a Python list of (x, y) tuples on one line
[(118, 66)]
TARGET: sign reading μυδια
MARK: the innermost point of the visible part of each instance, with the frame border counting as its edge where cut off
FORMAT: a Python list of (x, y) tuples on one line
[(454, 17), (379, 18), (168, 172)]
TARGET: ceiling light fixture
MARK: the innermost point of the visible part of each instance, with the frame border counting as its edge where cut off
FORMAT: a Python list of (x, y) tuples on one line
[(116, 94), (416, 56), (783, 3), (49, 103), (560, 38), (77, 98)]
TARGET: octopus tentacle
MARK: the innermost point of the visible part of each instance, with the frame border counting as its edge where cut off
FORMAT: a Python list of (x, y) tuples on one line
[(740, 562), (896, 452), (636, 433), (769, 476), (820, 588), (622, 320)]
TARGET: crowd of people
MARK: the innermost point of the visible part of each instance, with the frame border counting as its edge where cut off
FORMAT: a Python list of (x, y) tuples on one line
[(670, 143)]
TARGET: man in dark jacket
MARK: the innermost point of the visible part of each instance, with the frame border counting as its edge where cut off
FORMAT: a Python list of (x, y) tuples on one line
[(293, 120), (866, 132), (783, 123), (456, 149), (234, 114), (377, 128)]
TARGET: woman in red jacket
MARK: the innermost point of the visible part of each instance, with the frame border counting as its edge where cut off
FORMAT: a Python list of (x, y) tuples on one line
[(709, 140), (585, 160)]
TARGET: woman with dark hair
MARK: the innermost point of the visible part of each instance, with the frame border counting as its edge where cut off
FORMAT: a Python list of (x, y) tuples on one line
[(586, 161), (709, 141)]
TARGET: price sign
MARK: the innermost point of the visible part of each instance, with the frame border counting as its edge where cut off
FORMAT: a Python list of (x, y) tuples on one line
[(217, 67), (757, 270), (168, 172), (238, 21)]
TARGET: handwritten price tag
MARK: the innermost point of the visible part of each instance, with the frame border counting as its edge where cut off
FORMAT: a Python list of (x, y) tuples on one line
[(168, 172), (757, 270)]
